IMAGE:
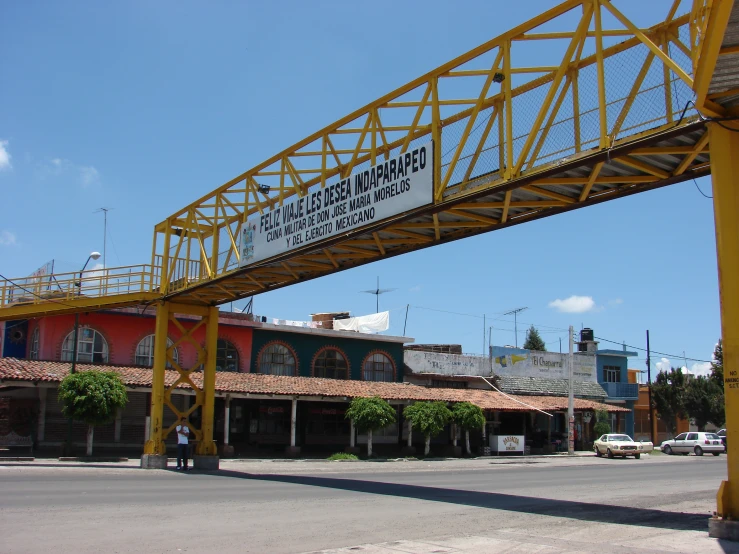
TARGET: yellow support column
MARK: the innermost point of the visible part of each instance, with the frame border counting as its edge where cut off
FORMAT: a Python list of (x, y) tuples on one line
[(155, 451), (724, 141), (207, 457)]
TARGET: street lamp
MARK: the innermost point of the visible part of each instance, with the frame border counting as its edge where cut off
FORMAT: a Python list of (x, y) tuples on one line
[(92, 256), (78, 284)]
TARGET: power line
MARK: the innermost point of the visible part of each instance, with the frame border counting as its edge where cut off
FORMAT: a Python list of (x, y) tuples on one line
[(654, 351), (699, 189)]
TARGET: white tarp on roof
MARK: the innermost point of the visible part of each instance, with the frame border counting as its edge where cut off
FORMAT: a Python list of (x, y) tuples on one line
[(373, 323)]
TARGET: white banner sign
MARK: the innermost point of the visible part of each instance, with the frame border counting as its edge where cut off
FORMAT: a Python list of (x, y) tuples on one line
[(551, 365), (446, 364), (399, 184), (507, 443)]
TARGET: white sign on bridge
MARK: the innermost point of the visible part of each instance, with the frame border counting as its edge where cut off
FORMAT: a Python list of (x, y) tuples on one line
[(399, 184)]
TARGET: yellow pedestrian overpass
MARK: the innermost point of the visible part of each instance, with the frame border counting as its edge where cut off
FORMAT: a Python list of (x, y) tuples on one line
[(611, 110)]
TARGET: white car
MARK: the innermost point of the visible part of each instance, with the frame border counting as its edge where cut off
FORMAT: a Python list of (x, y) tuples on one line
[(698, 443), (620, 445)]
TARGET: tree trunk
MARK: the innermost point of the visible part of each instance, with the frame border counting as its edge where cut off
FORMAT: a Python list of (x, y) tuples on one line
[(90, 431), (369, 443), (454, 434), (428, 445), (467, 441)]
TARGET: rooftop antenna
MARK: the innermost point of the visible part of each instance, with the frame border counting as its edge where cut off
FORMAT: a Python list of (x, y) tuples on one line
[(105, 230), (377, 292), (515, 320)]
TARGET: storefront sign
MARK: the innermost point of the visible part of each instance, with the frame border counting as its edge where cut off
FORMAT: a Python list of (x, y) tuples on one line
[(271, 410), (507, 443), (446, 364), (551, 365), (393, 186)]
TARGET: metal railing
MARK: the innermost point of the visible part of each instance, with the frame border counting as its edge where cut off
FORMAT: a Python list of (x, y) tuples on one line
[(61, 287), (624, 391)]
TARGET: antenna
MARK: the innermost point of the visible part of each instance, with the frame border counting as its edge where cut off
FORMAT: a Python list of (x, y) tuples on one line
[(515, 320), (105, 230), (377, 292)]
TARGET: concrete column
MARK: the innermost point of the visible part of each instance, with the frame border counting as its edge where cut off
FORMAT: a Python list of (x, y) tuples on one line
[(147, 424), (352, 437), (41, 426), (117, 426), (293, 450), (228, 450), (226, 419), (410, 434), (293, 421)]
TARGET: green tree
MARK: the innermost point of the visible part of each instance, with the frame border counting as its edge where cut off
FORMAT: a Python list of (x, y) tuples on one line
[(668, 395), (601, 426), (534, 340), (92, 397), (429, 418), (717, 365), (369, 414), (468, 417), (700, 400)]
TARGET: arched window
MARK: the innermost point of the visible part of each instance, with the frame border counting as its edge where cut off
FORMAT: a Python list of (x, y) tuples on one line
[(378, 367), (91, 347), (277, 359), (33, 349), (330, 364), (227, 357), (145, 352)]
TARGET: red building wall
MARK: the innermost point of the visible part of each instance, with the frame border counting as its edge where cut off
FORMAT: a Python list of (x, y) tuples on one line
[(123, 330)]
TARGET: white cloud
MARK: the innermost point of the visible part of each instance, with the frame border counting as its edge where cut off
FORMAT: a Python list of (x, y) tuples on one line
[(574, 304), (87, 174), (615, 302), (663, 365), (4, 156), (700, 368), (417, 288), (7, 238)]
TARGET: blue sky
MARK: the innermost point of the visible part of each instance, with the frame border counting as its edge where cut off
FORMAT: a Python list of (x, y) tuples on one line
[(142, 107)]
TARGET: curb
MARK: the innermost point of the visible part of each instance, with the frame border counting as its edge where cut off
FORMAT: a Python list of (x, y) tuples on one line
[(92, 459)]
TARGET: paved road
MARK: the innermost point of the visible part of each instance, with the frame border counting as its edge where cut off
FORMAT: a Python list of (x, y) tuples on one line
[(656, 504)]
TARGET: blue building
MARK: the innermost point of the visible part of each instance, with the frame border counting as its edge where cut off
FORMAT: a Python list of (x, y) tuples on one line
[(613, 375)]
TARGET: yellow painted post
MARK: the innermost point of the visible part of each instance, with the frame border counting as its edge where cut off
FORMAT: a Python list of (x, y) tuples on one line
[(724, 141), (207, 447), (155, 444)]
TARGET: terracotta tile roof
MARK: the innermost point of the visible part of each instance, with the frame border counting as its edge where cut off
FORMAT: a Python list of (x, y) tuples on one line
[(12, 369)]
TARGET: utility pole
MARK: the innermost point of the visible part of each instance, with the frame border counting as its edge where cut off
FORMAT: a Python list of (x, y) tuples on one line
[(490, 348), (571, 400), (105, 230), (515, 321), (484, 325), (652, 421)]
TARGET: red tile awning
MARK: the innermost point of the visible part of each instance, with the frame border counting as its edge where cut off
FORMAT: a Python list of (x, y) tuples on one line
[(32, 371)]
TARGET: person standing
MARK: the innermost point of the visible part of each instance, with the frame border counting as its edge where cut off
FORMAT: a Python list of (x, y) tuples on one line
[(183, 440)]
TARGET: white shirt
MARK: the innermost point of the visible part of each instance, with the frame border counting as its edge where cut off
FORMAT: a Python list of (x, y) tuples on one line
[(182, 438)]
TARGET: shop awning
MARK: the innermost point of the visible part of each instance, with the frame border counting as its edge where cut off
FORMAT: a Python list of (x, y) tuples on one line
[(14, 372)]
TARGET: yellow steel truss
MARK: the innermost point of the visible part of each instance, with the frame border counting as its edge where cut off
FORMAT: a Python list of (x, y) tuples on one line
[(201, 377), (605, 113), (496, 125)]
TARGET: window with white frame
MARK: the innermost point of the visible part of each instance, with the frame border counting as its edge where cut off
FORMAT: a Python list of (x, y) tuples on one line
[(33, 352), (277, 359), (91, 347), (611, 374), (145, 352)]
